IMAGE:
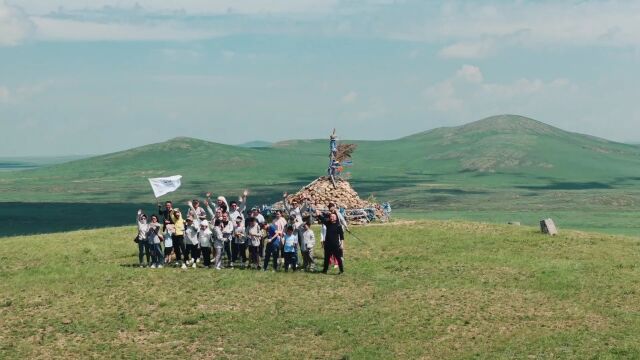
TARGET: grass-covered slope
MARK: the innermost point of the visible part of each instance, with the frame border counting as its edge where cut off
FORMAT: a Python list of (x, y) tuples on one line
[(431, 289), (498, 151)]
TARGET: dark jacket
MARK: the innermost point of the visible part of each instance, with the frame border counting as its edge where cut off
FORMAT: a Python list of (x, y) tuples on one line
[(335, 234)]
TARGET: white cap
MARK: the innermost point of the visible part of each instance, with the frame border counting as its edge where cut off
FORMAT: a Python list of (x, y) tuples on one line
[(204, 222)]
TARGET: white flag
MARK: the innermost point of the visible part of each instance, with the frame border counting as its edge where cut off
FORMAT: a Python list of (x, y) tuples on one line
[(165, 185)]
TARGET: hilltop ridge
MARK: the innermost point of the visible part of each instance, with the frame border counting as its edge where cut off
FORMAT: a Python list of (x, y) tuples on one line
[(517, 149)]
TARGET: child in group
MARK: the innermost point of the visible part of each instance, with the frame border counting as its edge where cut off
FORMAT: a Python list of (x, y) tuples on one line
[(239, 242), (141, 239), (218, 243), (191, 234), (204, 239), (254, 235), (272, 246), (290, 249), (309, 241), (169, 231), (154, 238)]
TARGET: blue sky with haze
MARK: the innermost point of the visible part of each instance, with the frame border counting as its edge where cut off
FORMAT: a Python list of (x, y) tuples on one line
[(89, 77)]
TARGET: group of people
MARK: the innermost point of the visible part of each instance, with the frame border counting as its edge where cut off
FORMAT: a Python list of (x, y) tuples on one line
[(223, 234)]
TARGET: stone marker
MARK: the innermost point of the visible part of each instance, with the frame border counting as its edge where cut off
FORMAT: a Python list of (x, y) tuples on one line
[(547, 226)]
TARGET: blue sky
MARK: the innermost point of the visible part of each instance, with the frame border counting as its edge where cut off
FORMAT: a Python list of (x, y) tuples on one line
[(89, 77)]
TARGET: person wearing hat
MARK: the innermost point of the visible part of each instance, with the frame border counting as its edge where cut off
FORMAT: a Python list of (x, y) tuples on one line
[(239, 242), (204, 240)]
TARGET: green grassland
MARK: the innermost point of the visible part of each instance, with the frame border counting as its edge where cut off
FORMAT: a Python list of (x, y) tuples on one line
[(426, 289), (484, 170)]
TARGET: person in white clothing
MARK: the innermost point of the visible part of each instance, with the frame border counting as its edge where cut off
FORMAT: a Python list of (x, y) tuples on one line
[(191, 237), (204, 239), (218, 243)]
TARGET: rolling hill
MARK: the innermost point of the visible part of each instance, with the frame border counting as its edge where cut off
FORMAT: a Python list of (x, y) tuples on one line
[(498, 151), (506, 163)]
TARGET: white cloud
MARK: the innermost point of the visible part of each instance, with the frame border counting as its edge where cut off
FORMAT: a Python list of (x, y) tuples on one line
[(470, 73), (4, 94), (442, 97), (15, 26), (22, 93), (468, 50), (350, 97), (74, 30), (467, 87), (479, 29), (196, 7)]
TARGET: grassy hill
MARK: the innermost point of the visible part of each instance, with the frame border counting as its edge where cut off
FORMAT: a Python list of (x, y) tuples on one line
[(502, 167), (429, 289)]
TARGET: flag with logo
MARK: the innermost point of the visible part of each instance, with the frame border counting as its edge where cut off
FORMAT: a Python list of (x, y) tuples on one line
[(165, 185)]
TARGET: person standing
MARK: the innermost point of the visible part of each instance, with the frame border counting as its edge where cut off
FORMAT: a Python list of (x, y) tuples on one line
[(236, 210), (333, 240), (141, 239), (309, 241), (196, 212), (204, 239), (165, 212), (254, 236), (218, 243), (227, 236), (154, 239), (239, 241), (272, 247), (290, 249), (191, 234), (178, 237)]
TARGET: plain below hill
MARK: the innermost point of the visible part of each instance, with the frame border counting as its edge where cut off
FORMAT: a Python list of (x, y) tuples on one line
[(496, 152)]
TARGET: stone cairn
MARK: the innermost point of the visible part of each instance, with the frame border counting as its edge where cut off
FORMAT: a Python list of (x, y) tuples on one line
[(319, 193)]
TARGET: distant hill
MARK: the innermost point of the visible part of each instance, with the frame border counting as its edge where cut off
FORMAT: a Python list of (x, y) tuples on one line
[(26, 162), (506, 150), (256, 144)]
